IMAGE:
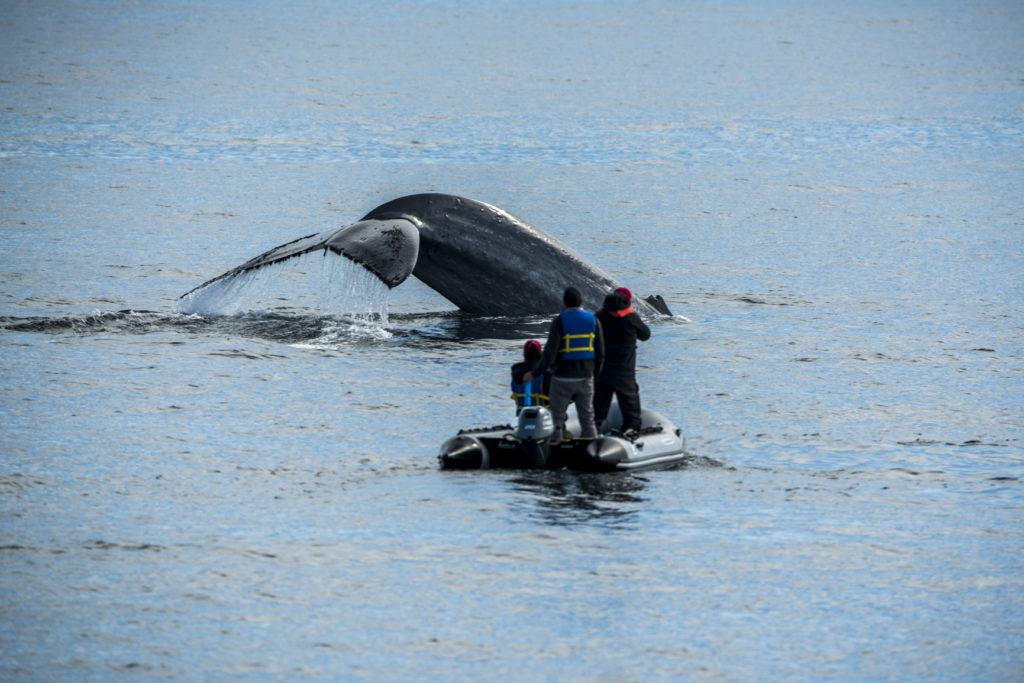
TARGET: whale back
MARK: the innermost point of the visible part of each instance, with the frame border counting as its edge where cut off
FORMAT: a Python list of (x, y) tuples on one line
[(488, 262)]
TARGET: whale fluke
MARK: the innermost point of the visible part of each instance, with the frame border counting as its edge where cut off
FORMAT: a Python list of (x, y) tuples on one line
[(386, 248)]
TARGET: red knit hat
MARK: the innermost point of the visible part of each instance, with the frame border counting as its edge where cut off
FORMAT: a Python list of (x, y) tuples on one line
[(532, 345), (626, 293)]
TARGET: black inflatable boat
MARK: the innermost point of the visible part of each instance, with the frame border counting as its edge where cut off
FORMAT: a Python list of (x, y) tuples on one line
[(528, 445)]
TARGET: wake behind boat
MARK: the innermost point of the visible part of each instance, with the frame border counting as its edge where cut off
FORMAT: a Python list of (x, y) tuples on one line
[(658, 444)]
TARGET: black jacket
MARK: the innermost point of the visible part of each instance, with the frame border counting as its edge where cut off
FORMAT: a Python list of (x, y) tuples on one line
[(622, 328), (521, 368)]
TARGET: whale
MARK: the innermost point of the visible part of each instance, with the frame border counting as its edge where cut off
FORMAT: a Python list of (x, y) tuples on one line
[(481, 258)]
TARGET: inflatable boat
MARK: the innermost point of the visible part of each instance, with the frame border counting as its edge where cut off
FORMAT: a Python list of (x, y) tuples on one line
[(528, 445)]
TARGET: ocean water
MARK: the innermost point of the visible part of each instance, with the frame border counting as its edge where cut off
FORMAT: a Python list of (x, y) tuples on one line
[(827, 195)]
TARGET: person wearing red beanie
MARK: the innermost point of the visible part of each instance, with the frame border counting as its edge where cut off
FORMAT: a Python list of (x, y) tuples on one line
[(622, 328)]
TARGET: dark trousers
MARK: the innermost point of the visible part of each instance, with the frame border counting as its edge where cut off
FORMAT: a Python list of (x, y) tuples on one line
[(629, 400), (579, 392)]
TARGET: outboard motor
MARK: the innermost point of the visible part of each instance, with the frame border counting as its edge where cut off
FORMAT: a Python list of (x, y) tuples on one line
[(534, 430)]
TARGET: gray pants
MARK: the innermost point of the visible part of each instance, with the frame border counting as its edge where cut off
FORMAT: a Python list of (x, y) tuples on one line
[(578, 391)]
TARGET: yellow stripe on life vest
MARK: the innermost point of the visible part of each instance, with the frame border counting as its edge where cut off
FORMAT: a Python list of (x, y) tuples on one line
[(568, 342), (543, 397)]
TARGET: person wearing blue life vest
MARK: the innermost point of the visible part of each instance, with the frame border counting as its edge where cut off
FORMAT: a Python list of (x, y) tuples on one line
[(575, 349), (535, 392)]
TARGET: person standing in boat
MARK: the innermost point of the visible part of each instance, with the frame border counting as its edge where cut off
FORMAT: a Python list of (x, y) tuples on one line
[(575, 349), (535, 392), (622, 328)]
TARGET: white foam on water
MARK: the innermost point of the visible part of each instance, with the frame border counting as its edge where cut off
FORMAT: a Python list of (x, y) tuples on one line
[(343, 332)]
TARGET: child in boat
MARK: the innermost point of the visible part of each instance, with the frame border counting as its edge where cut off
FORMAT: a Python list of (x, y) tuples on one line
[(536, 393)]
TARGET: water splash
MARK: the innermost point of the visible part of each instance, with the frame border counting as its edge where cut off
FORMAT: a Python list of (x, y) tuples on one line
[(336, 287), (340, 333)]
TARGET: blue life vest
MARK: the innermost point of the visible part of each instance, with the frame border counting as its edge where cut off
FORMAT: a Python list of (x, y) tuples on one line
[(579, 328), (534, 397)]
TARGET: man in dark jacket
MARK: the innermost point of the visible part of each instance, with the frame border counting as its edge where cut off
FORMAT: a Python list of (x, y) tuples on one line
[(622, 328), (575, 348)]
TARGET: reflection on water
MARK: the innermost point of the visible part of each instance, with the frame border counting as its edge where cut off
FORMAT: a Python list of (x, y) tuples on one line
[(563, 498), (566, 498), (427, 328)]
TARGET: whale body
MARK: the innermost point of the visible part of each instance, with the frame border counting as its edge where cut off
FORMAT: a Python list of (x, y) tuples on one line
[(481, 258)]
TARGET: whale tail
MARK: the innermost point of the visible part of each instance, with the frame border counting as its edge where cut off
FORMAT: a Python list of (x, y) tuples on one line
[(386, 248), (481, 258)]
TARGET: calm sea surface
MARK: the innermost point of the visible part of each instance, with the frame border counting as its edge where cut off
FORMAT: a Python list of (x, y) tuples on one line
[(828, 194)]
